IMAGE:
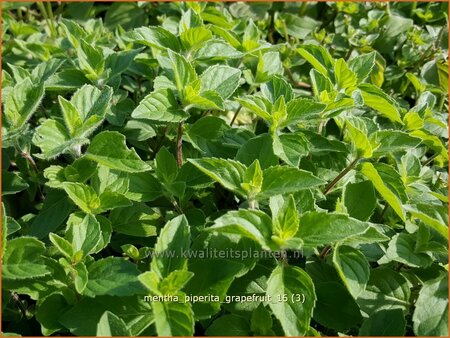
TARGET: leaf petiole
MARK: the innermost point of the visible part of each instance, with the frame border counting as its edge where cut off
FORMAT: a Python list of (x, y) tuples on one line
[(340, 175)]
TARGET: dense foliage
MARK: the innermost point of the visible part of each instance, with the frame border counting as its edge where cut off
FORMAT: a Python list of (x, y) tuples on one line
[(296, 151)]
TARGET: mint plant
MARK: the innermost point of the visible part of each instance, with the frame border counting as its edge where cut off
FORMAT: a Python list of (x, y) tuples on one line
[(225, 169)]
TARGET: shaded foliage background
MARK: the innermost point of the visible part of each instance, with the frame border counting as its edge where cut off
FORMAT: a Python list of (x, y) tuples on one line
[(135, 128)]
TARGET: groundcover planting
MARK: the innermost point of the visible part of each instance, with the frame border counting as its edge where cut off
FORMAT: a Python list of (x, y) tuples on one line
[(224, 169)]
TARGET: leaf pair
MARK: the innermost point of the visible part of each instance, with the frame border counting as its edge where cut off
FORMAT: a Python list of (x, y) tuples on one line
[(271, 234), (287, 229), (278, 107), (208, 91), (81, 115), (85, 235), (168, 276), (254, 183), (87, 199), (329, 76)]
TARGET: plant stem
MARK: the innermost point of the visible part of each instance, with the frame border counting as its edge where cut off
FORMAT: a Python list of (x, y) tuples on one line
[(41, 7), (176, 206), (428, 161), (297, 83), (51, 18), (253, 204), (325, 251), (15, 297), (413, 8), (383, 212), (270, 30), (180, 144), (235, 115), (340, 175)]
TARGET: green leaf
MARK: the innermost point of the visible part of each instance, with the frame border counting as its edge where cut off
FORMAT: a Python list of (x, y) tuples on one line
[(356, 133), (335, 307), (175, 281), (294, 25), (319, 228), (119, 62), (208, 280), (90, 101), (49, 311), (118, 157), (257, 148), (376, 99), (253, 224), (160, 106), (90, 59), (82, 318), (79, 273), (156, 37), (83, 196), (321, 85), (229, 325), (355, 193), (433, 217), (252, 180), (63, 246), (126, 15), (362, 65), (261, 321), (12, 183), (53, 139), (430, 316), (137, 220), (70, 115), (84, 232), (393, 26), (222, 79), (173, 242), (318, 57), (143, 187), (286, 180), (269, 64), (173, 319), (183, 72), (57, 206), (353, 268), (301, 110), (206, 100), (110, 325), (257, 105), (286, 221), (294, 315), (111, 200), (391, 141), (23, 259), (401, 249), (386, 290), (86, 110), (277, 87), (369, 171), (290, 147), (22, 101), (345, 77), (113, 276), (384, 323), (217, 50), (431, 141), (227, 172), (193, 38)]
